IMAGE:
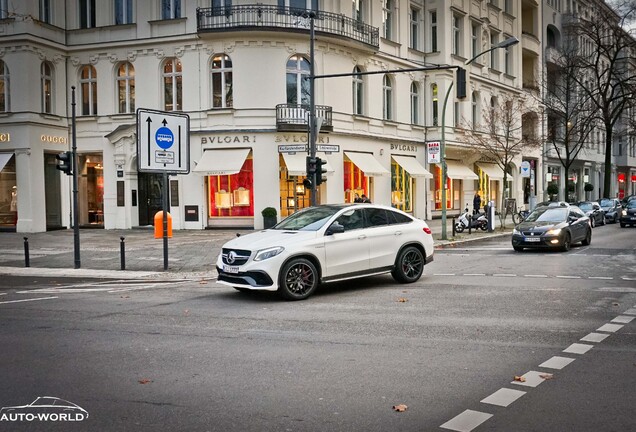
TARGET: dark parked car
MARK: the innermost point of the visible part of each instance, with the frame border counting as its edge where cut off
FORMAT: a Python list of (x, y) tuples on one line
[(628, 214), (627, 199), (612, 208), (592, 210), (552, 227)]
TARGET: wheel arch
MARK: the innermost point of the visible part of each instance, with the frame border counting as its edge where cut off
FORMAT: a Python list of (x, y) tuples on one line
[(310, 257), (418, 245)]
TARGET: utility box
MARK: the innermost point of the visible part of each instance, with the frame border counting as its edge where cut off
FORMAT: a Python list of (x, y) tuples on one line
[(159, 224)]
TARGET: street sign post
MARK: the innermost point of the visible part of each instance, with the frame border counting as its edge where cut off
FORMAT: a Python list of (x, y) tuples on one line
[(163, 146)]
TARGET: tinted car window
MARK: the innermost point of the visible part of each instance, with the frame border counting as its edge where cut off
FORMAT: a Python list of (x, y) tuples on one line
[(576, 213), (585, 206), (548, 214), (397, 218), (310, 219), (351, 220), (376, 217)]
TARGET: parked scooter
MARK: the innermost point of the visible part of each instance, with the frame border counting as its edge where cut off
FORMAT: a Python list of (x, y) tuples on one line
[(478, 221)]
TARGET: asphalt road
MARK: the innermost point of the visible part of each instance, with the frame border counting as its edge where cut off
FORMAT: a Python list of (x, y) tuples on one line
[(197, 356)]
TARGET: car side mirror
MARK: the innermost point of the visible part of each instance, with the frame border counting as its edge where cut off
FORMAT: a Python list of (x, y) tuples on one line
[(335, 228), (572, 219)]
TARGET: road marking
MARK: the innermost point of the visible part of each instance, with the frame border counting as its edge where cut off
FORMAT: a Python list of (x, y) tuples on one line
[(444, 274), (622, 319), (628, 278), (466, 421), (601, 277), (503, 397), (610, 328), (533, 379), (28, 300), (3, 293), (474, 274), (556, 362), (568, 277), (595, 337), (504, 275), (631, 311), (576, 348), (536, 276)]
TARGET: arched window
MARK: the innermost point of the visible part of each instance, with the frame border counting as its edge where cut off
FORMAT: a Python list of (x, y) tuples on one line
[(298, 80), (172, 85), (88, 90), (126, 88), (415, 103), (222, 81), (4, 87), (46, 80), (435, 107), (358, 92), (387, 98)]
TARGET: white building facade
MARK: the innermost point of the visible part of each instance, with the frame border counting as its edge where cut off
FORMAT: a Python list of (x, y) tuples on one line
[(240, 71)]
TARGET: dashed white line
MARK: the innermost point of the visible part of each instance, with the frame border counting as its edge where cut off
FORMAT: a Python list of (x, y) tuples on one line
[(556, 362), (601, 277), (3, 293), (504, 275), (535, 276), (474, 274), (577, 348), (568, 277), (595, 337), (631, 311), (466, 421), (28, 300), (532, 379), (503, 397), (622, 319), (628, 278), (610, 328), (444, 274)]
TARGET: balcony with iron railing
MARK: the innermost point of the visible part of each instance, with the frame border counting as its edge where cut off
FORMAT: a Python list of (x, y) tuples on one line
[(295, 117), (271, 17)]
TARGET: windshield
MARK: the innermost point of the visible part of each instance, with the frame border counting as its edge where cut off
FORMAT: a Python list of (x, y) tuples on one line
[(310, 219), (585, 206), (605, 203), (547, 214), (631, 204)]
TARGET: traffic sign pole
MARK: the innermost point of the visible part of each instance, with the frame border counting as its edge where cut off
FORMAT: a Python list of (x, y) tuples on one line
[(165, 221)]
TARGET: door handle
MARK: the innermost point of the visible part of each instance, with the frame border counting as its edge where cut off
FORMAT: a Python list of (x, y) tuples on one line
[(362, 237), (397, 233)]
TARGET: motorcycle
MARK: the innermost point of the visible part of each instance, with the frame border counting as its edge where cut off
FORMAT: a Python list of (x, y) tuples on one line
[(478, 221)]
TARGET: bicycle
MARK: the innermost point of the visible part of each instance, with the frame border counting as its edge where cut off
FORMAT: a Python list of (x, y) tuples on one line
[(520, 216)]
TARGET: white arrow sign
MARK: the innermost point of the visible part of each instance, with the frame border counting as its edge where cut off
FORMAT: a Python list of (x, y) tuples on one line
[(163, 142)]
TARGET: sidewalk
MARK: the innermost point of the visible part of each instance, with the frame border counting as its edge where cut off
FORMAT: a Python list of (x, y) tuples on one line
[(191, 253)]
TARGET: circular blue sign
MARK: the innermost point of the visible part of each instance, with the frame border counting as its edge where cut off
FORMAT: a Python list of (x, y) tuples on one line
[(164, 138)]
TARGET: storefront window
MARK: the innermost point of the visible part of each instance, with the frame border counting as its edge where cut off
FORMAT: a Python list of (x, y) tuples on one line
[(232, 195), (484, 185), (91, 189), (355, 182), (438, 190), (8, 191), (401, 188), (293, 195)]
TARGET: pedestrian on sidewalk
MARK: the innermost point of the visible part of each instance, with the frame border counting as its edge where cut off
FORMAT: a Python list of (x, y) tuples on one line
[(476, 203)]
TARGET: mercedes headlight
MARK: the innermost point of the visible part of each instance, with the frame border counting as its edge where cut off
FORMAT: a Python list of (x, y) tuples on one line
[(553, 232), (264, 254)]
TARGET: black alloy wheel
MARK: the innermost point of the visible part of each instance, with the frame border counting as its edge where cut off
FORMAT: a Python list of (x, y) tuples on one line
[(593, 222), (409, 265), (298, 279), (566, 242), (588, 238)]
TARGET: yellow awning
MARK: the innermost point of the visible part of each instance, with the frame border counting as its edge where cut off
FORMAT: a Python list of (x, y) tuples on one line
[(457, 171), (222, 161), (367, 163), (493, 171), (412, 166)]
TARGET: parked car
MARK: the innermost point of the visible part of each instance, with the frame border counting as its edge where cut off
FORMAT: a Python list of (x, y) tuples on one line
[(592, 210), (324, 244), (628, 214), (612, 208), (552, 227), (627, 199)]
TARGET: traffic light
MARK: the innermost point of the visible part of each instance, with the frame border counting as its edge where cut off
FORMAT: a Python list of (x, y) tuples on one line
[(307, 183), (461, 83), (320, 170), (311, 166), (65, 162)]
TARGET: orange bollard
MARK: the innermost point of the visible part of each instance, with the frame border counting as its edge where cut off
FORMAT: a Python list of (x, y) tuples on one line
[(159, 225)]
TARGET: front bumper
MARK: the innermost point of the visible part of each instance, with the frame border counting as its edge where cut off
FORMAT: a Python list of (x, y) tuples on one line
[(629, 219), (543, 241)]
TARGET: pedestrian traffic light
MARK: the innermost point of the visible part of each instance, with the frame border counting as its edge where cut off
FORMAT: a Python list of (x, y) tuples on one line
[(461, 83), (311, 166), (65, 162), (307, 183), (320, 170)]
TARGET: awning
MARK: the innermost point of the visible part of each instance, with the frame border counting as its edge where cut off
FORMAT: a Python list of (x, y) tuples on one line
[(367, 163), (4, 158), (412, 166), (493, 171), (297, 164), (221, 162), (457, 171)]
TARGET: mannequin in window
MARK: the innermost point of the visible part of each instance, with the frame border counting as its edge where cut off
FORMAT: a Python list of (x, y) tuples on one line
[(14, 199)]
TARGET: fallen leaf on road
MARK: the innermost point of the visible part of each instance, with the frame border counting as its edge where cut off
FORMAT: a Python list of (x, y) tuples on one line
[(520, 378), (615, 304), (144, 381), (546, 376), (203, 282), (400, 408), (186, 311), (124, 296), (402, 300)]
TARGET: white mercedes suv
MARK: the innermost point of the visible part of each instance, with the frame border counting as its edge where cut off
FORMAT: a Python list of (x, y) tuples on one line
[(327, 243)]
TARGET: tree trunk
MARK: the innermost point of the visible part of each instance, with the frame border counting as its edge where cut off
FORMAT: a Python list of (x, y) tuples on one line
[(607, 180)]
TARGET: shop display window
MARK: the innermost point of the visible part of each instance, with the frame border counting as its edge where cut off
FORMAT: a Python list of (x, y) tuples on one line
[(91, 189), (293, 196), (438, 189), (232, 195), (355, 182), (8, 192), (401, 188)]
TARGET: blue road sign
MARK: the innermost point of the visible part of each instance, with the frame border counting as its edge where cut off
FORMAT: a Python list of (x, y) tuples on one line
[(164, 138)]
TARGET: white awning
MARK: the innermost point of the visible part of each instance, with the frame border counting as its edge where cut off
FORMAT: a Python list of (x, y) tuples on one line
[(367, 163), (221, 162), (297, 164), (4, 158), (457, 171), (412, 166), (493, 171)]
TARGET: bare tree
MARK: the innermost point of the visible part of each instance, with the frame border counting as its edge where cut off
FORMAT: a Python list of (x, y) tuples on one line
[(502, 135), (608, 80)]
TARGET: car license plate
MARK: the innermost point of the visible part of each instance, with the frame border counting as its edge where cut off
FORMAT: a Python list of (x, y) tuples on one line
[(532, 239), (632, 218), (230, 269)]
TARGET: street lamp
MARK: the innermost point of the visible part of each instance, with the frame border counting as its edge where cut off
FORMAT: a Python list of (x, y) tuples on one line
[(503, 44)]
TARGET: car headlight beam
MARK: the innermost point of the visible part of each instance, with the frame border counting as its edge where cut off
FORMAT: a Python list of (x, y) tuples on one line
[(553, 232), (264, 254)]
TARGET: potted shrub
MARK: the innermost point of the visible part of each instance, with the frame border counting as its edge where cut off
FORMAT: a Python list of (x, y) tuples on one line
[(269, 217), (553, 190), (589, 187)]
